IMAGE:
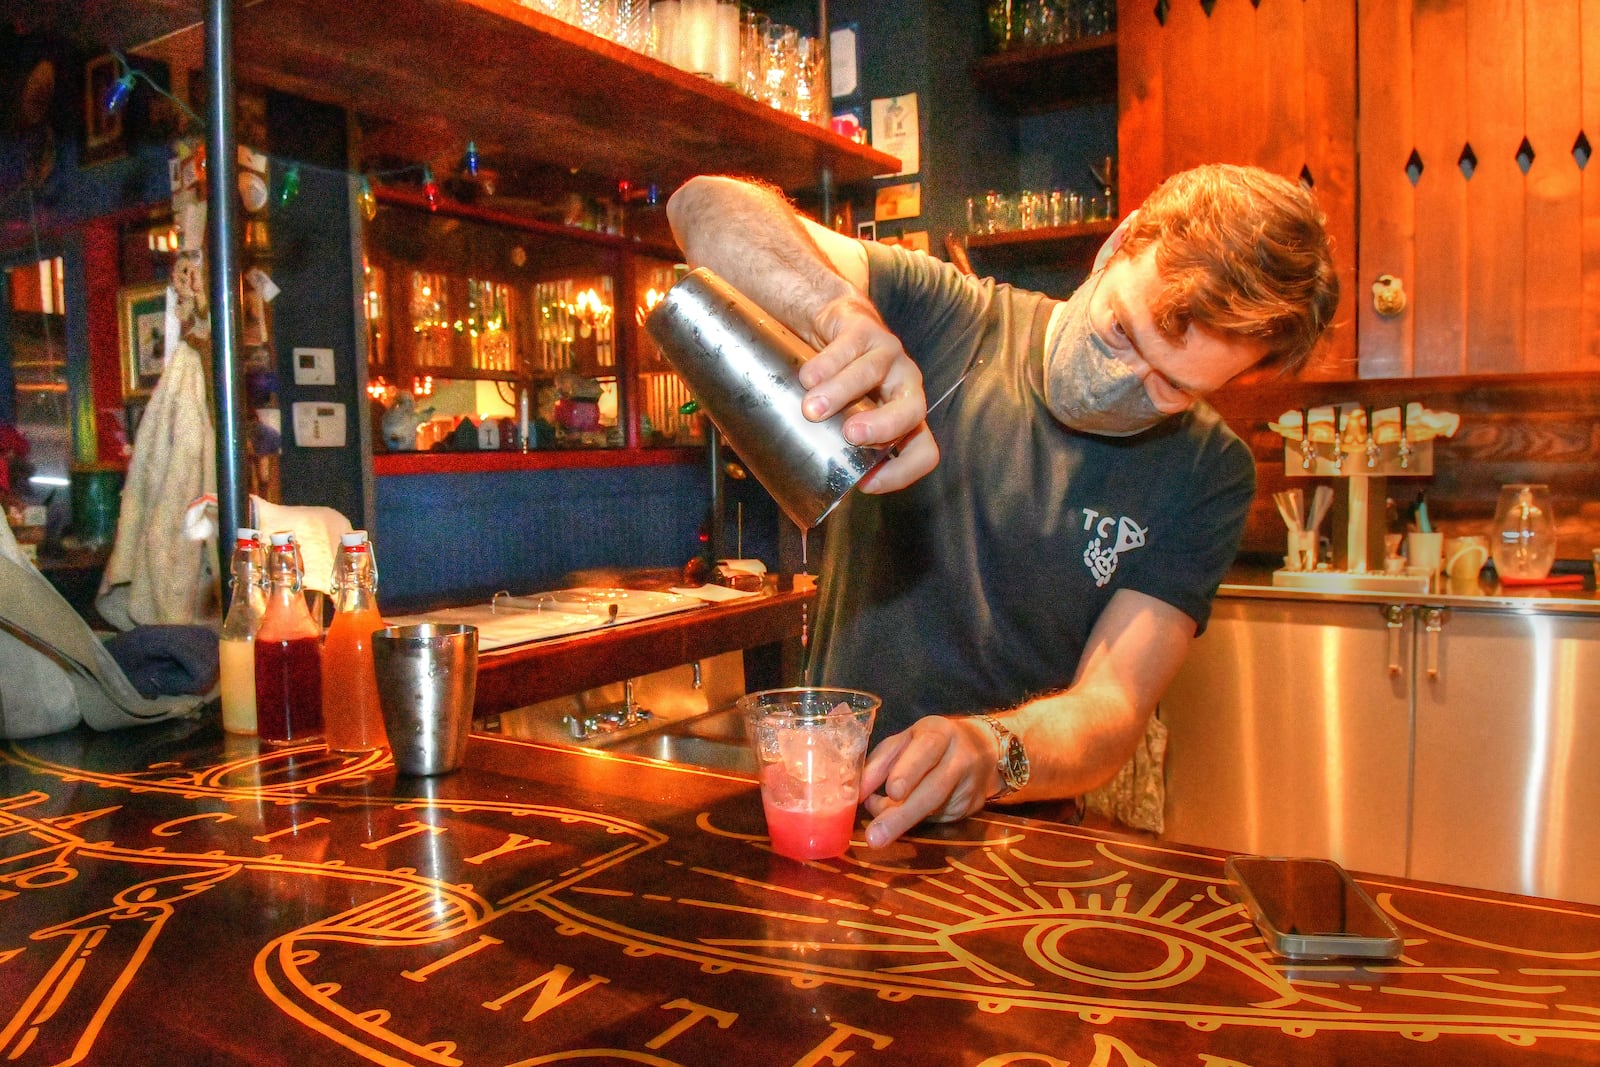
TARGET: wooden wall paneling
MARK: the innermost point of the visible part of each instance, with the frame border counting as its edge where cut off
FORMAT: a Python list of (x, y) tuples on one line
[(1189, 93), (1438, 299), (1387, 234), (1589, 327), (1239, 105), (1553, 264), (1276, 73), (1496, 219), (1141, 103), (1328, 48)]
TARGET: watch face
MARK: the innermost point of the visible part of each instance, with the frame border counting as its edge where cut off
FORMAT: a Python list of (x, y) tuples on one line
[(1016, 765)]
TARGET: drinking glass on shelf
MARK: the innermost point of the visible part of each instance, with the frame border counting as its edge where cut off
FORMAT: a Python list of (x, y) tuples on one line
[(810, 96), (753, 54), (781, 45)]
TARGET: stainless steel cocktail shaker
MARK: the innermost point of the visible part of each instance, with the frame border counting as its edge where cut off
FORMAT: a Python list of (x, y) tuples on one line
[(743, 365)]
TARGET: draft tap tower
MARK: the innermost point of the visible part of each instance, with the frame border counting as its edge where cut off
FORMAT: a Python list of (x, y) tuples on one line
[(1366, 466)]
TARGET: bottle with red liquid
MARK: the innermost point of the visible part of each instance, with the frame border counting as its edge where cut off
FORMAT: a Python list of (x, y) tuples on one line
[(349, 685), (288, 654)]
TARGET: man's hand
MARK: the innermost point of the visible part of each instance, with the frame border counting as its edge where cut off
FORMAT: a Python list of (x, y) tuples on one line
[(861, 358), (940, 770)]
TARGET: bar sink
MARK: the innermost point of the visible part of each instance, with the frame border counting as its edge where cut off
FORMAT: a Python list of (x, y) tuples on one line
[(715, 740)]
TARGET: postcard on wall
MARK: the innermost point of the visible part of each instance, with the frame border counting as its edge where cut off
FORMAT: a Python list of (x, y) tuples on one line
[(842, 60), (903, 201), (895, 131)]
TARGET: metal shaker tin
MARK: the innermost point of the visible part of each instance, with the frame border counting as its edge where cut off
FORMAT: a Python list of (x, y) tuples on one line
[(743, 365)]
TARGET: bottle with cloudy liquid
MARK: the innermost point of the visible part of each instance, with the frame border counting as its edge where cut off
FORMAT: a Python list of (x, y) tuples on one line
[(350, 714), (237, 644)]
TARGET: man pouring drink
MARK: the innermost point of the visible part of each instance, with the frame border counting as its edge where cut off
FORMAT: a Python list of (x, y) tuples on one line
[(1022, 579)]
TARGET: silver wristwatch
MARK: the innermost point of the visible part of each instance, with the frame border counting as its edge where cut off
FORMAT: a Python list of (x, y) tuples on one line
[(1013, 764)]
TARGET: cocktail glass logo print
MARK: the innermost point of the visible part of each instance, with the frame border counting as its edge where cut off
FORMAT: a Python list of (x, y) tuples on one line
[(1102, 563)]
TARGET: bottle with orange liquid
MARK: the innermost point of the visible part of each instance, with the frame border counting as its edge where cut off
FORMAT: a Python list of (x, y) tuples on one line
[(288, 654), (349, 687), (237, 644)]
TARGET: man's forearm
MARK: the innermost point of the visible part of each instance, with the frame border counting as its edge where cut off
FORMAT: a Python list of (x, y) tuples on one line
[(749, 235)]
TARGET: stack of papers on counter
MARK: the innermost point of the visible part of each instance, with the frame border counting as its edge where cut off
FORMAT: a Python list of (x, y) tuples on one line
[(508, 621)]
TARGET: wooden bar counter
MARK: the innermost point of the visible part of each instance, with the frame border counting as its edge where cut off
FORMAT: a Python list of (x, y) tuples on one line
[(759, 626), (169, 895)]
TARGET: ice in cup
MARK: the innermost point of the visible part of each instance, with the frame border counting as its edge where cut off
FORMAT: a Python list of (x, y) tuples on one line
[(810, 745)]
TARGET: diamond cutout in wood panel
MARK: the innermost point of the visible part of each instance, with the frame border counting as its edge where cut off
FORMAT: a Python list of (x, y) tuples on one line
[(1525, 155), (1306, 179), (1467, 161), (1162, 7), (1580, 150), (1414, 167), (1207, 6)]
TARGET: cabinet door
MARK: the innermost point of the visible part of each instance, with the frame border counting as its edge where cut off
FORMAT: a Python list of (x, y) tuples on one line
[(1505, 791), (1474, 185), (1288, 734), (1270, 84)]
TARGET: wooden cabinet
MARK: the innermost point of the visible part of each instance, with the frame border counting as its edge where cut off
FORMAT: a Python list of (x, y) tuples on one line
[(1270, 84), (1475, 184)]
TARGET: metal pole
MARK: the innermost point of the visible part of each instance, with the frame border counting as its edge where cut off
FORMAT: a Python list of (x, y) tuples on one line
[(718, 497), (222, 238)]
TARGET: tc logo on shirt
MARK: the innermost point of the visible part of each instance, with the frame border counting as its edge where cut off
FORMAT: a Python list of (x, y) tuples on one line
[(1102, 561)]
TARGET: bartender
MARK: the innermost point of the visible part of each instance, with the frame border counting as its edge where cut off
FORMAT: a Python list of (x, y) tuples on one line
[(1021, 581)]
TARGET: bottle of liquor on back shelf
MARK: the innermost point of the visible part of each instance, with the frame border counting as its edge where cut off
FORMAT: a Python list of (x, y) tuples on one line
[(237, 645), (288, 653), (349, 685)]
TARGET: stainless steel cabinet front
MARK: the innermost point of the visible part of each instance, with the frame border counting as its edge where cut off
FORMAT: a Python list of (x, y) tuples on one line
[(1288, 733), (1505, 790)]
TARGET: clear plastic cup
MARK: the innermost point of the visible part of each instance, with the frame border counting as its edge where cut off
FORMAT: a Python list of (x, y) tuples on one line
[(810, 745)]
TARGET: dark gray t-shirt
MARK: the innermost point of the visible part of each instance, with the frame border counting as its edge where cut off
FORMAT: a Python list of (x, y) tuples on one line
[(976, 587)]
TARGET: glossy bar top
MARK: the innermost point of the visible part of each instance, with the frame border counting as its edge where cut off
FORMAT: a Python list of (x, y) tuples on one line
[(171, 896)]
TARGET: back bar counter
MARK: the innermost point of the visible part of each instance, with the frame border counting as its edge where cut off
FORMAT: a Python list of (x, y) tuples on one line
[(172, 895)]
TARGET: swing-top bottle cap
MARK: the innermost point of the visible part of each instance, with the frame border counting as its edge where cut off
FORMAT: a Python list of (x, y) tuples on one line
[(282, 537), (245, 533), (353, 539)]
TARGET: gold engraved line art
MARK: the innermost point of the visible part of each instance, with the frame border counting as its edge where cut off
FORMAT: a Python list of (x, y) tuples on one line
[(599, 1055), (1463, 998), (18, 801), (170, 827), (757, 884), (408, 829), (294, 828), (696, 1012), (421, 974), (1386, 902), (147, 905), (1558, 972), (1506, 987), (1580, 1008), (717, 905), (513, 843)]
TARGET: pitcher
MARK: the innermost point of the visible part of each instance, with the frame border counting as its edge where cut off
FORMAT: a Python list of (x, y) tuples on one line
[(1524, 533)]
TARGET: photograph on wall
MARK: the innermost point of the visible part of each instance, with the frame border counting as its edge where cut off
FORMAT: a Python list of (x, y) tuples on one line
[(142, 317)]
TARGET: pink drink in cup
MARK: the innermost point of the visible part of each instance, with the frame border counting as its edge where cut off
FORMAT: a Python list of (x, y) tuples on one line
[(810, 745)]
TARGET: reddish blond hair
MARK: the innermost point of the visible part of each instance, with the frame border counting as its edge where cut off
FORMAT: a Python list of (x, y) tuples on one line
[(1242, 252)]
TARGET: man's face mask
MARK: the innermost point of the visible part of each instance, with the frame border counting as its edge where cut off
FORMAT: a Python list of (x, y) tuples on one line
[(1086, 386)]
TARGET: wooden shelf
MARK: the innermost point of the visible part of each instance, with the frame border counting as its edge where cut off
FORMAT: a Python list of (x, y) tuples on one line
[(1050, 77), (1045, 246), (437, 73)]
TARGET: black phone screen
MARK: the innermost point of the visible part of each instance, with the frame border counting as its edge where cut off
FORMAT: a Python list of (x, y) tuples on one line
[(1310, 897)]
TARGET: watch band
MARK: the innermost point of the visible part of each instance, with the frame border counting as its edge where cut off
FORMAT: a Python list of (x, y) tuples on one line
[(1013, 760)]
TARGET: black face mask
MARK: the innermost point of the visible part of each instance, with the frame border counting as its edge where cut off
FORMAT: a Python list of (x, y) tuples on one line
[(1085, 385)]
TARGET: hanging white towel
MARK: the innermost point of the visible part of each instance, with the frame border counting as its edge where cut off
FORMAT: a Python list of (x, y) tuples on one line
[(156, 574)]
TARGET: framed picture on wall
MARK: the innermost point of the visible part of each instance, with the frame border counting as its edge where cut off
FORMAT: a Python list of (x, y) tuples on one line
[(142, 315), (103, 138)]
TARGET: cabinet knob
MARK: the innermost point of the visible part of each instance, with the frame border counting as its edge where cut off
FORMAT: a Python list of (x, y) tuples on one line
[(1388, 296)]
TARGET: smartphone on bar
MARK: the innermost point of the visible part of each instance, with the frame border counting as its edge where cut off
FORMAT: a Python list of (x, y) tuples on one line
[(1311, 909)]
